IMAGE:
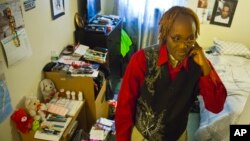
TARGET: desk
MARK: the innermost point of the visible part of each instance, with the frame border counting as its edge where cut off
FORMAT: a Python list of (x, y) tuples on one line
[(96, 104), (110, 40), (80, 116)]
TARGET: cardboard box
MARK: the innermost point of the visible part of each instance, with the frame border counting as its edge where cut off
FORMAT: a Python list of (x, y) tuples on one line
[(96, 106)]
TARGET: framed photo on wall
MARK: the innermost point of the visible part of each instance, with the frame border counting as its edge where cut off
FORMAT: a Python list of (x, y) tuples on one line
[(223, 12), (57, 8)]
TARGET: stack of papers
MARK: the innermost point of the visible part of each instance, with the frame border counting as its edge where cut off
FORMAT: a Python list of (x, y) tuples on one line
[(65, 106), (80, 50), (98, 134), (96, 56), (51, 137), (83, 69), (58, 110), (101, 129)]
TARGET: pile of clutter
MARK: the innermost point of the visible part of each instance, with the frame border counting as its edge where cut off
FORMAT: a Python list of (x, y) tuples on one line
[(102, 128), (112, 107)]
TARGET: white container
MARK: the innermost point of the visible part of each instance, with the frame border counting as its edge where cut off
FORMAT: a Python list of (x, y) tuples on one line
[(80, 97), (68, 94), (73, 95)]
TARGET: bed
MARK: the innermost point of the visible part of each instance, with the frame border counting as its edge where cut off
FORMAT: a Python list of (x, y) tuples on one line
[(232, 62)]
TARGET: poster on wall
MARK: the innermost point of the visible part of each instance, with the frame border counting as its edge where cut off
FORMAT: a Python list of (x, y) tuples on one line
[(217, 12), (223, 12), (204, 10), (13, 38), (57, 8), (11, 18), (29, 4), (15, 54), (5, 102)]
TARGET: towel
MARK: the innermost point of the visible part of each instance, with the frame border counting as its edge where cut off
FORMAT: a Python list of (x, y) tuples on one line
[(125, 43)]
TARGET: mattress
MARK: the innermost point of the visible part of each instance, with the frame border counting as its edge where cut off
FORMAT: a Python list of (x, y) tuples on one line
[(234, 72)]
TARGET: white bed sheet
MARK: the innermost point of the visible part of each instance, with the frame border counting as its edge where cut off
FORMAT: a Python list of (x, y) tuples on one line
[(234, 71)]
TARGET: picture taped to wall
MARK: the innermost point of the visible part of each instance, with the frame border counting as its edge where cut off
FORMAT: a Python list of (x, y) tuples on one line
[(204, 10), (11, 19), (29, 4), (223, 12), (57, 8)]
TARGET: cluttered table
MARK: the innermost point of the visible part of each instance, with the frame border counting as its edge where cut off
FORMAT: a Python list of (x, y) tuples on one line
[(67, 125)]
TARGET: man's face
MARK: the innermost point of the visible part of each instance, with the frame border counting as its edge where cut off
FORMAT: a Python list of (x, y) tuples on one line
[(225, 12), (181, 37)]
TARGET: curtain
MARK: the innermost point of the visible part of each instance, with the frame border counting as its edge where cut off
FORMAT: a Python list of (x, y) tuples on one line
[(141, 18)]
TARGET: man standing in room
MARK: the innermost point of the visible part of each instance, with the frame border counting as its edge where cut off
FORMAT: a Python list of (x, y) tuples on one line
[(162, 81)]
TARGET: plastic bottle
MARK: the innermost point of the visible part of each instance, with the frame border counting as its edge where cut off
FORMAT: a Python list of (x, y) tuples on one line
[(68, 94), (73, 95), (62, 92), (54, 56), (80, 96)]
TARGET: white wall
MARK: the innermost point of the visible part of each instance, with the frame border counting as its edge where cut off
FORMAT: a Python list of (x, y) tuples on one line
[(45, 35), (238, 31)]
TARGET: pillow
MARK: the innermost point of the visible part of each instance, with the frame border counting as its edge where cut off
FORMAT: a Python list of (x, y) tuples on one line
[(231, 48)]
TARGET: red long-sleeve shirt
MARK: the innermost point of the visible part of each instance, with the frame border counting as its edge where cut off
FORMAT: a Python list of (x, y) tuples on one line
[(211, 89)]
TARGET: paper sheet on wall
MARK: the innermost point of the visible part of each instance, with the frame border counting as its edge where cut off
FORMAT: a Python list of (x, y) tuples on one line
[(6, 1), (12, 34), (5, 102), (204, 11), (14, 15), (13, 53)]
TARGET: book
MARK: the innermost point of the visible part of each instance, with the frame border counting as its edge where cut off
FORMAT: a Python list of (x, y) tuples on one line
[(73, 130), (80, 50), (57, 109), (96, 56), (40, 134), (72, 106)]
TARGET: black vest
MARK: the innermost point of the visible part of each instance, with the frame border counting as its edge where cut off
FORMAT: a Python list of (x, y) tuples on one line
[(163, 105)]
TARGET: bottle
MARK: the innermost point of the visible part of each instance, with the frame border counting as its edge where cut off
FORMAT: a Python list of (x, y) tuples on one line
[(73, 95), (80, 97), (54, 56), (62, 92), (68, 94)]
